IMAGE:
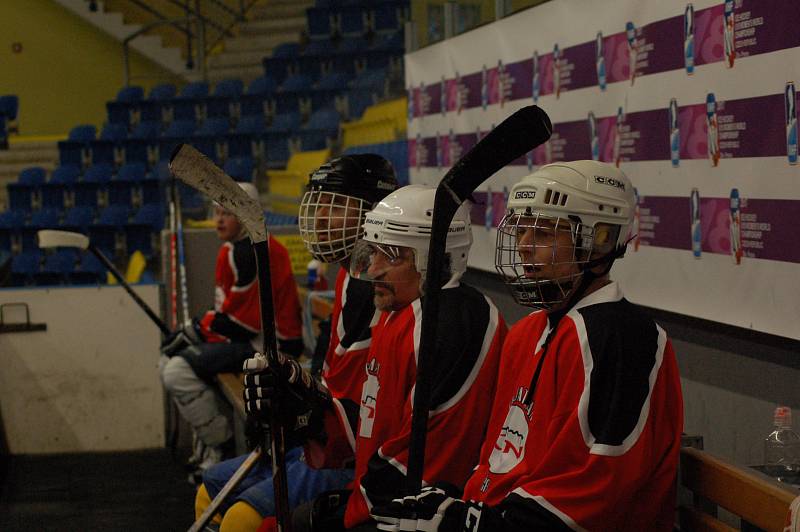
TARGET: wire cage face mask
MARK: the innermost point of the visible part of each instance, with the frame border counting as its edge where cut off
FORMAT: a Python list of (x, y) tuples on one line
[(540, 257), (330, 224)]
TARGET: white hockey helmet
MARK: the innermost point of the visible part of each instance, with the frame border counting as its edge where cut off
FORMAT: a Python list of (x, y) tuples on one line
[(403, 219), (591, 200)]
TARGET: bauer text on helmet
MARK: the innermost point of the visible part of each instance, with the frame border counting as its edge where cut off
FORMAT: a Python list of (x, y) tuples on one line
[(561, 220), (339, 193)]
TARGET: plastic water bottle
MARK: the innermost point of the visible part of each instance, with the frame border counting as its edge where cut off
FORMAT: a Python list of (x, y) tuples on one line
[(782, 447), (313, 273)]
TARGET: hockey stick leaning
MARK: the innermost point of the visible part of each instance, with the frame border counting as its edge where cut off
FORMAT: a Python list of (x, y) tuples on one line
[(195, 169), (181, 256), (173, 261), (515, 136), (50, 238)]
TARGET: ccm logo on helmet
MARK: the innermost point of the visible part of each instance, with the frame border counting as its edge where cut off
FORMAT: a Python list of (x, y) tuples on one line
[(610, 181), (525, 194)]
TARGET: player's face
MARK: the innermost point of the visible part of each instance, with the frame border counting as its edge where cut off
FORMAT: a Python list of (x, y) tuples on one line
[(227, 224), (396, 278), (546, 248), (337, 217)]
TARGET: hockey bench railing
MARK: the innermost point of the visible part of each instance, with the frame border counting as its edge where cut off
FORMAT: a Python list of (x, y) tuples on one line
[(760, 501)]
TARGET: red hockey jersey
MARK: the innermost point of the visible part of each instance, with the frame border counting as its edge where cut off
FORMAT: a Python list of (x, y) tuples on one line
[(236, 315), (353, 316), (595, 446), (471, 333)]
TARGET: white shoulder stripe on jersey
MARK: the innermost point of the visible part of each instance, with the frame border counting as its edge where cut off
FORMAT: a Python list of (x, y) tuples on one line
[(544, 503), (340, 332), (344, 420), (583, 403), (488, 338)]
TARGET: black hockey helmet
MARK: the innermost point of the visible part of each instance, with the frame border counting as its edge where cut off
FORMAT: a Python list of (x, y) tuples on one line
[(367, 176)]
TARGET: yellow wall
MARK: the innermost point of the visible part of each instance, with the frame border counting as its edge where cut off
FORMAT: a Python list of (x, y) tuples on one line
[(67, 69)]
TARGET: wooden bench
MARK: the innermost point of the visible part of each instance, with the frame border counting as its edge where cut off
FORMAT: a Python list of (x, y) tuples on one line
[(231, 385), (758, 500)]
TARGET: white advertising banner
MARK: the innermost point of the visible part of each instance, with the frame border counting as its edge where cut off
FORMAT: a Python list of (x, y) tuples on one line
[(696, 102)]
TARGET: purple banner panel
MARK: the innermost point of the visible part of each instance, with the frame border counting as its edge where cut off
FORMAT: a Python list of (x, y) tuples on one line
[(517, 80), (644, 136), (659, 47), (577, 66), (617, 55), (494, 90), (471, 89), (663, 221), (768, 229), (693, 132), (433, 96), (763, 26), (744, 130), (708, 35), (488, 209)]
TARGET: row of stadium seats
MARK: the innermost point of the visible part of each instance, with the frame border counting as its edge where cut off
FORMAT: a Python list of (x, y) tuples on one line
[(64, 266), (355, 19), (395, 152)]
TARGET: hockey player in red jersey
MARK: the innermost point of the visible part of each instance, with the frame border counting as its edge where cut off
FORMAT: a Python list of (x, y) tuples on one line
[(340, 192), (586, 423), (228, 334), (374, 430)]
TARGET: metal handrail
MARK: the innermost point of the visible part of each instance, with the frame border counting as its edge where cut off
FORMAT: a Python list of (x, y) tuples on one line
[(156, 23)]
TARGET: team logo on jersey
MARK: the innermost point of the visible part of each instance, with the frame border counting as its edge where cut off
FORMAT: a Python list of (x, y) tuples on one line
[(509, 449), (369, 397)]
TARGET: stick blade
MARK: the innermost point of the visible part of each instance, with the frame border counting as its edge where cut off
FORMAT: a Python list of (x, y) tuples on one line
[(50, 238), (512, 138), (198, 171)]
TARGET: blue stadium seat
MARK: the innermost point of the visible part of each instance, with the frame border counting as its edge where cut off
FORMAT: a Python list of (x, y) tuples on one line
[(353, 20), (284, 123), (110, 147), (224, 101), (125, 107), (389, 17), (78, 219), (24, 267), (164, 91), (258, 92), (297, 83), (278, 152), (89, 271), (286, 50), (76, 149), (57, 267), (125, 189), (11, 224), (195, 89), (240, 168), (25, 193), (157, 106), (389, 42), (357, 102), (144, 228), (107, 233), (335, 81), (320, 23), (178, 132), (142, 144), (9, 106)]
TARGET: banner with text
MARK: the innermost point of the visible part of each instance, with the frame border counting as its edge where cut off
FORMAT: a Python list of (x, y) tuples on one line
[(696, 102)]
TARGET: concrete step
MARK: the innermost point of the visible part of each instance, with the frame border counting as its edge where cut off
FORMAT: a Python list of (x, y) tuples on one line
[(234, 59), (261, 42), (31, 156), (245, 73), (280, 9), (275, 25), (13, 169)]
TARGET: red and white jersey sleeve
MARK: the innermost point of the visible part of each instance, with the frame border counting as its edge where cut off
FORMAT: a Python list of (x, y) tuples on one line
[(237, 315), (471, 333), (595, 445)]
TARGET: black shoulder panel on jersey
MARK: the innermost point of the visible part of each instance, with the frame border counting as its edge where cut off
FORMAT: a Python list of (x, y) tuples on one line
[(624, 344), (463, 323), (245, 261), (351, 410), (521, 514), (224, 325), (357, 313), (291, 346)]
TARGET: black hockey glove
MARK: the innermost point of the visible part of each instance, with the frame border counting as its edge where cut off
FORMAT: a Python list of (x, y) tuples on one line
[(297, 397), (436, 509), (186, 336)]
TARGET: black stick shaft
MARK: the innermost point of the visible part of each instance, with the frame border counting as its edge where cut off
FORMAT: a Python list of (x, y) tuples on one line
[(278, 437), (121, 280)]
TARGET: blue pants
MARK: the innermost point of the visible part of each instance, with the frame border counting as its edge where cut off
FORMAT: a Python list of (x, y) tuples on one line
[(305, 483)]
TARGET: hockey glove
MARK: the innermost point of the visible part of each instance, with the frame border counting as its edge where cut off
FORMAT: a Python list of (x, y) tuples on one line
[(433, 510), (296, 396), (186, 336)]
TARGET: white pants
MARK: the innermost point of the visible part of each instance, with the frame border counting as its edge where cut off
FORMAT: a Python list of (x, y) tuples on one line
[(197, 401)]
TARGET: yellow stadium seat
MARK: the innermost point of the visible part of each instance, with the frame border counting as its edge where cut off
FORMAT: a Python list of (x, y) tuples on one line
[(286, 186), (382, 122)]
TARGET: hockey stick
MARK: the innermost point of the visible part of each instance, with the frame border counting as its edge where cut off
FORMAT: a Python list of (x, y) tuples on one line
[(181, 255), (173, 266), (512, 138), (195, 169), (229, 486), (49, 238)]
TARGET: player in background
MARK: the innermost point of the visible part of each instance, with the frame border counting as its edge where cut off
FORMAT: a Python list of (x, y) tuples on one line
[(375, 429), (332, 211), (587, 418), (227, 335)]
